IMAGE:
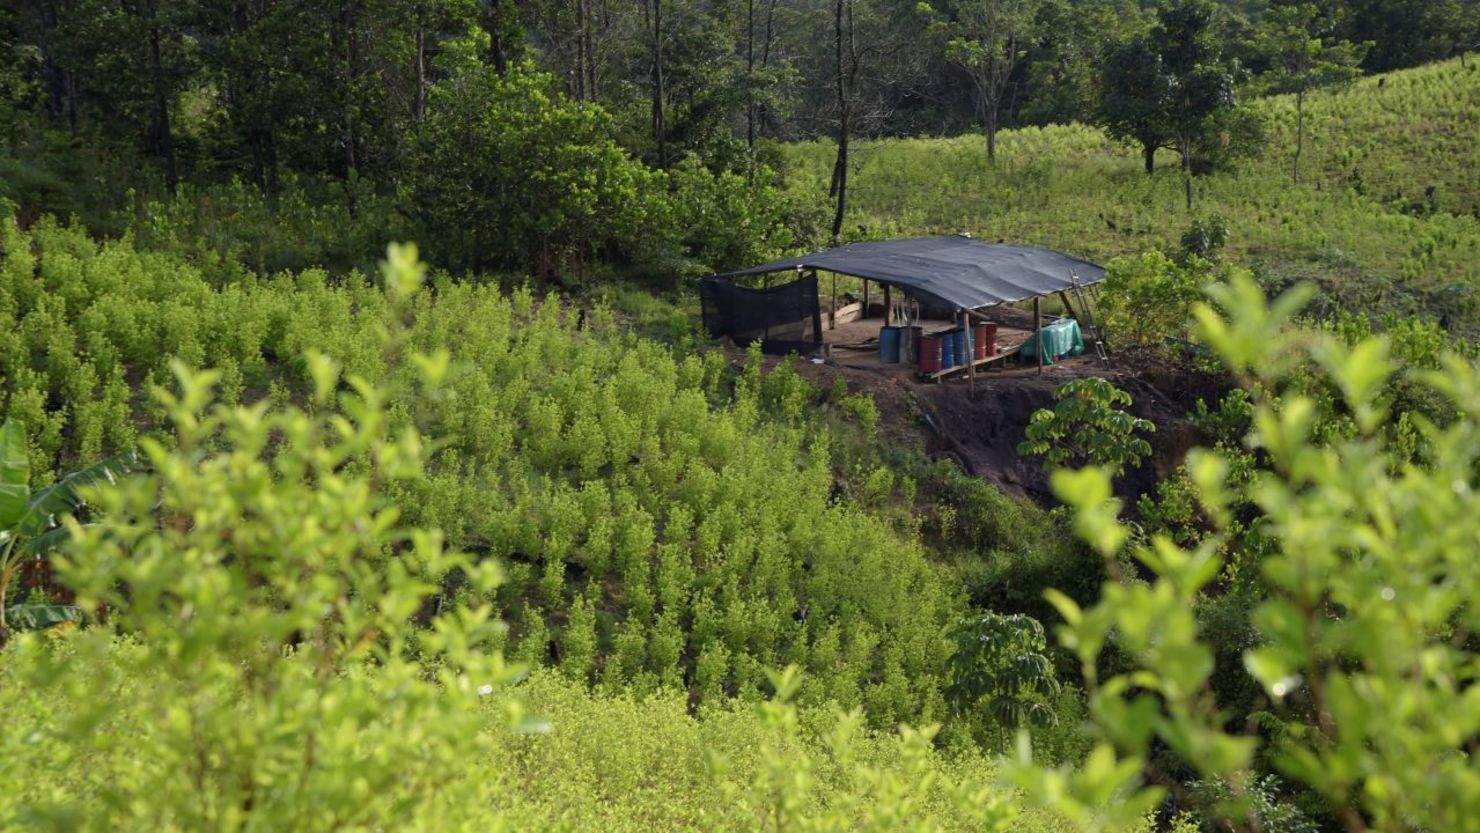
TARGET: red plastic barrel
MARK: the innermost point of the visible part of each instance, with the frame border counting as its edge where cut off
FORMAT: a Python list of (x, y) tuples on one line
[(986, 340), (929, 353)]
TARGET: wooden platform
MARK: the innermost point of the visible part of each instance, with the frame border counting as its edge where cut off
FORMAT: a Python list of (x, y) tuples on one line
[(856, 343), (1000, 355)]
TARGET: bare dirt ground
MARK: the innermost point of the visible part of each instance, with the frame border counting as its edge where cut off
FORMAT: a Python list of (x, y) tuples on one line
[(980, 425)]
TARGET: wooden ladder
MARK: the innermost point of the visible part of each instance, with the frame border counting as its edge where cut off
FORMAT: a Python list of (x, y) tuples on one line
[(1090, 323)]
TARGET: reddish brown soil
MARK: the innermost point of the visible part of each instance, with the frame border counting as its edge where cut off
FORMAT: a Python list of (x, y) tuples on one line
[(980, 425)]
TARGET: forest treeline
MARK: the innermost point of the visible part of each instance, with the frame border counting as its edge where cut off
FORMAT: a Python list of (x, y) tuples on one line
[(634, 128)]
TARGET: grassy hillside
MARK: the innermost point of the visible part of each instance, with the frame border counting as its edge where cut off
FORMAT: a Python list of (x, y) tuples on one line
[(1360, 222), (665, 521), (670, 528)]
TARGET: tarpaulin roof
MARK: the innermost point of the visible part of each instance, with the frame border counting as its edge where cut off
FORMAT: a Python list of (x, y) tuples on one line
[(954, 270)]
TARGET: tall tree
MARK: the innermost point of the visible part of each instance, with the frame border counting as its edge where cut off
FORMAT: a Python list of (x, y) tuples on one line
[(1201, 83), (1069, 39), (134, 58), (500, 19), (1133, 92), (846, 66), (1304, 57), (989, 39), (873, 58), (1406, 33), (19, 67), (653, 20), (1174, 86), (760, 80)]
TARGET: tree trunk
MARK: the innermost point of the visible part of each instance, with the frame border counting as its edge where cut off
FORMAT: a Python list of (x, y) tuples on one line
[(840, 168), (499, 47), (58, 79), (347, 90), (162, 137), (419, 102), (991, 121), (588, 49), (579, 92), (760, 110), (1148, 154), (1184, 147), (750, 79), (659, 127)]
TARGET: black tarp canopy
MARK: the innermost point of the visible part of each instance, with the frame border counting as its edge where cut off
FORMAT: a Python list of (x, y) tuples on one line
[(952, 271)]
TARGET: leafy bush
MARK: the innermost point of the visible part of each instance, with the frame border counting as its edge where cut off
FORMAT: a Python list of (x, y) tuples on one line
[(271, 659), (506, 173), (30, 525), (688, 509), (1087, 426), (999, 664), (1368, 690), (259, 666), (1148, 298), (230, 228), (1259, 801), (1205, 239), (724, 220)]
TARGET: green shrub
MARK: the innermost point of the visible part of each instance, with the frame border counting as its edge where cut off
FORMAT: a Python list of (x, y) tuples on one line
[(1088, 427), (999, 666), (506, 173), (597, 465), (1353, 621), (1149, 297), (258, 666)]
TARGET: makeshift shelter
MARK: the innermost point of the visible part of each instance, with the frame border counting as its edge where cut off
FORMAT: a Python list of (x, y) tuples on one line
[(954, 274)]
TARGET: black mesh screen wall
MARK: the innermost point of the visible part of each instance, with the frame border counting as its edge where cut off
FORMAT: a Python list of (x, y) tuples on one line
[(784, 319)]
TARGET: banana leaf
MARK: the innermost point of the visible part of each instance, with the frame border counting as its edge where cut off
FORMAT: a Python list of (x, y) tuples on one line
[(48, 505), (15, 472), (33, 616)]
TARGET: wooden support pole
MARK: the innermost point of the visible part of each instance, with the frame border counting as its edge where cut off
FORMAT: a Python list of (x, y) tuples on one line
[(888, 307), (970, 352), (1038, 330), (1068, 308), (833, 319), (865, 300)]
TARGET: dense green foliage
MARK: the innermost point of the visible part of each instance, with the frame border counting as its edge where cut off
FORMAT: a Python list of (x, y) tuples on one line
[(535, 136), (1148, 298), (724, 591), (508, 176), (1366, 599), (1000, 665), (662, 523), (273, 657)]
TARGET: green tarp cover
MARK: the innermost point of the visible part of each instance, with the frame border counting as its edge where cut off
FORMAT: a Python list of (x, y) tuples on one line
[(1060, 339)]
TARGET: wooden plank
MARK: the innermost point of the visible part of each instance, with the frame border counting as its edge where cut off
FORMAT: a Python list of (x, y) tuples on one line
[(996, 357), (851, 312)]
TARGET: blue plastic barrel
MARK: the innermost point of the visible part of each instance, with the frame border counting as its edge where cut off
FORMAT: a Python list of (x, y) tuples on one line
[(958, 341), (947, 350), (889, 345)]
